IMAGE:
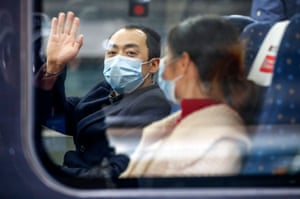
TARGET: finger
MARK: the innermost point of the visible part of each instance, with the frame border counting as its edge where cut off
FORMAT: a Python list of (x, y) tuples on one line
[(75, 26), (70, 17), (53, 26), (61, 21)]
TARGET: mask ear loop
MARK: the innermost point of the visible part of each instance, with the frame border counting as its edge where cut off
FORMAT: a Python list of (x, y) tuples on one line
[(144, 78), (147, 75)]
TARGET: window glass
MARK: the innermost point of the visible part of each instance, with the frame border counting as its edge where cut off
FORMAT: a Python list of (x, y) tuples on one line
[(275, 144)]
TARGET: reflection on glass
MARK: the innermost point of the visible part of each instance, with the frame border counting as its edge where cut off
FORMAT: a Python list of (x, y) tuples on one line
[(275, 152)]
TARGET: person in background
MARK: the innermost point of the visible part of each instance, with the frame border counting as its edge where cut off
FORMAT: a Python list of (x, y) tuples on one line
[(274, 10), (128, 95), (205, 75)]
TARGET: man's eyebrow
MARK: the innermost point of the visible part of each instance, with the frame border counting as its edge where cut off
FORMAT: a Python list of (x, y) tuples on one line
[(129, 45), (110, 45)]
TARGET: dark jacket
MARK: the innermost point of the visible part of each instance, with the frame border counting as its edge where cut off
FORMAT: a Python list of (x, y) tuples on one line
[(87, 118)]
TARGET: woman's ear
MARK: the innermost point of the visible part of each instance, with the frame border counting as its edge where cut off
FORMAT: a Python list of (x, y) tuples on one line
[(154, 65), (185, 61)]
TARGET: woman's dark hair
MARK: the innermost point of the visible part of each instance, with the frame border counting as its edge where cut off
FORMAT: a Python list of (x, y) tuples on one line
[(214, 46), (152, 40)]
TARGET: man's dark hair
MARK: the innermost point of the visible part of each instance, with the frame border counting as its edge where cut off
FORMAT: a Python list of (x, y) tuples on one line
[(152, 40)]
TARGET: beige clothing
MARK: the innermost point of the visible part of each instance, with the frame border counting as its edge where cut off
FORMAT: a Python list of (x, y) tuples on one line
[(210, 141)]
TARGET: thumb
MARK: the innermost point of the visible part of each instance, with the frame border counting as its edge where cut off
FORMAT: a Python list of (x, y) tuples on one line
[(79, 41)]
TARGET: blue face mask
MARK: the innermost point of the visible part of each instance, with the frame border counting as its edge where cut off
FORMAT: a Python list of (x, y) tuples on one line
[(124, 74), (167, 86)]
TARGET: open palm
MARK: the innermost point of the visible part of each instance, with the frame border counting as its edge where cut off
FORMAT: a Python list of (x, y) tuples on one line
[(63, 44)]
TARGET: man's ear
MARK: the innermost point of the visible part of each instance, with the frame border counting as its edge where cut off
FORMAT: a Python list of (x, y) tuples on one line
[(154, 65)]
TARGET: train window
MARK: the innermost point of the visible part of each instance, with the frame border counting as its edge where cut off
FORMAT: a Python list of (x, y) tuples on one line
[(68, 107)]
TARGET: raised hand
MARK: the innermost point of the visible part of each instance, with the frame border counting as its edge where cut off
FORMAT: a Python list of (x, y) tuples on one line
[(63, 44)]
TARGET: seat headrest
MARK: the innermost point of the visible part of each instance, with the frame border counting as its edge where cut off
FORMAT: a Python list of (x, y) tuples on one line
[(282, 99)]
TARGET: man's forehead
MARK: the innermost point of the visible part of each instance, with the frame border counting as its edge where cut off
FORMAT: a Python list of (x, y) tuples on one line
[(127, 37), (128, 34), (130, 31)]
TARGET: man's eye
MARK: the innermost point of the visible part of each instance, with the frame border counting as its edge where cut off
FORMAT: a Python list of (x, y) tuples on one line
[(131, 53), (110, 53)]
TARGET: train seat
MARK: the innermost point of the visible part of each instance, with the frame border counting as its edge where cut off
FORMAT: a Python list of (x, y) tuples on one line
[(276, 137), (253, 35), (240, 21)]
